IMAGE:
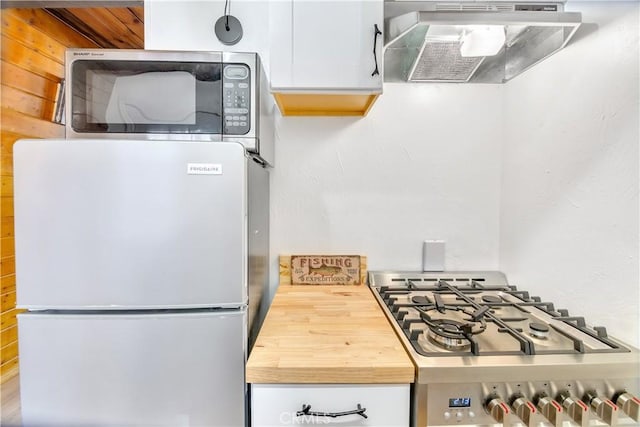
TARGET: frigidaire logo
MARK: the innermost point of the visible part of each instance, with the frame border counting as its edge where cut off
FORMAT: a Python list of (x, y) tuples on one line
[(204, 169)]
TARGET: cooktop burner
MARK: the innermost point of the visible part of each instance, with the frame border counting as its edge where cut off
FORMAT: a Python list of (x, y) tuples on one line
[(448, 316), (487, 354), (450, 334)]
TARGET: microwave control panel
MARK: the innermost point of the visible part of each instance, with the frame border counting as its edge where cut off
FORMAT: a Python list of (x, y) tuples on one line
[(236, 90)]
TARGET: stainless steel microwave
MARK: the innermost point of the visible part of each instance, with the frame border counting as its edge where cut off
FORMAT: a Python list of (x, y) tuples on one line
[(144, 94)]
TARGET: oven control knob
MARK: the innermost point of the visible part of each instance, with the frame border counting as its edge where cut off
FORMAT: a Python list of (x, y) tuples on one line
[(575, 408), (497, 408), (551, 410), (630, 405), (525, 410), (604, 408)]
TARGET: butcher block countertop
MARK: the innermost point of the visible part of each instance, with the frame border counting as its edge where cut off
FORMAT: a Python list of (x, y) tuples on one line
[(327, 334)]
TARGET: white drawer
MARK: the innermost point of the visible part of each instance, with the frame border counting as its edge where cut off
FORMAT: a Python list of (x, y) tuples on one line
[(386, 405)]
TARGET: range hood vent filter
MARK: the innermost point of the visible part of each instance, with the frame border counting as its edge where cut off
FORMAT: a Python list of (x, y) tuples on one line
[(442, 61), (423, 39)]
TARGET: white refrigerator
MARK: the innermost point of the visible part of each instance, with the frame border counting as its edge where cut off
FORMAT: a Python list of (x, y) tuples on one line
[(141, 265)]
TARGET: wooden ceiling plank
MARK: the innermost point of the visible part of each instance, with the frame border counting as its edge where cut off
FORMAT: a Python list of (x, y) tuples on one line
[(83, 28), (58, 4), (53, 27), (130, 20), (105, 24), (139, 12)]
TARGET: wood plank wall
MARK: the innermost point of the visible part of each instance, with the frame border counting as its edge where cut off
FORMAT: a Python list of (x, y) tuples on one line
[(111, 28), (32, 64)]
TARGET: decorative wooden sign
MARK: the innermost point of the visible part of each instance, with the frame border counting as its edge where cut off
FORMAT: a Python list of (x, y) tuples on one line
[(322, 269)]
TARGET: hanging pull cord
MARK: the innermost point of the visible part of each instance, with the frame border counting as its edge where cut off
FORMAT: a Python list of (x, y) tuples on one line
[(376, 33), (226, 24)]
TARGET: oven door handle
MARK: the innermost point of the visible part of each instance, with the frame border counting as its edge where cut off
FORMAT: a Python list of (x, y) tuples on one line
[(306, 410)]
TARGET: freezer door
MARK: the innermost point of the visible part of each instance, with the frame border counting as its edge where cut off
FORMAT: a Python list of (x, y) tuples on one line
[(172, 370), (113, 224)]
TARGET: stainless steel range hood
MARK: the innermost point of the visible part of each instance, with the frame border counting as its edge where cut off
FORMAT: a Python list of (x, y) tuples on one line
[(472, 41)]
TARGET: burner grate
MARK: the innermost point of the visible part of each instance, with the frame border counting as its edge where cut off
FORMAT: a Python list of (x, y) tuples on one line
[(451, 316)]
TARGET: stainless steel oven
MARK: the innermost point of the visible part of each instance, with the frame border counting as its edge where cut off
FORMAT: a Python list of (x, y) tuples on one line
[(142, 94), (487, 354)]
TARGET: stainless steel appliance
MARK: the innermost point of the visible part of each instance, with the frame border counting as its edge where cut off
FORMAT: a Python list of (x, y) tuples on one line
[(472, 41), (141, 262), (487, 353), (145, 94)]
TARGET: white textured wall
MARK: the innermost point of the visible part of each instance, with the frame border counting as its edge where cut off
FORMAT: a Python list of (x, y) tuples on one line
[(424, 164), (569, 203)]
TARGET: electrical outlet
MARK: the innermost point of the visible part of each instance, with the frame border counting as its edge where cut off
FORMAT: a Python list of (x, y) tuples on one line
[(433, 255)]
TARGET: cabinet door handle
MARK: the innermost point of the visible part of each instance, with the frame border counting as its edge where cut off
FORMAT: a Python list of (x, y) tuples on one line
[(306, 410), (376, 33)]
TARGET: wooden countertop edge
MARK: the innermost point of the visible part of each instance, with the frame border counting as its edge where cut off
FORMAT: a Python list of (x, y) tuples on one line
[(330, 375)]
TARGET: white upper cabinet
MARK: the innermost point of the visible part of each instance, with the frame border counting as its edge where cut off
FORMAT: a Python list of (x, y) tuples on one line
[(326, 45), (319, 54), (189, 25)]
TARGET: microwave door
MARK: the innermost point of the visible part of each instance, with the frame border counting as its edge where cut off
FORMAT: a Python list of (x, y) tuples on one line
[(122, 97), (153, 98)]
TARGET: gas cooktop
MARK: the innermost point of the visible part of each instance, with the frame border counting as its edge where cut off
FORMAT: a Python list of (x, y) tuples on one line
[(486, 352), (445, 316)]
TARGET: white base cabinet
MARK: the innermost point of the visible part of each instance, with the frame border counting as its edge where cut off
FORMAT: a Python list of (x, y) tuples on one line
[(385, 405)]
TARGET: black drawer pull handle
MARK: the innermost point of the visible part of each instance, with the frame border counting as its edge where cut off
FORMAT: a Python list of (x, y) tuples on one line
[(306, 410), (376, 33)]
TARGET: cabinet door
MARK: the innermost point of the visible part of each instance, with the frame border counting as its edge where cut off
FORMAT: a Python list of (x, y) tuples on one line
[(188, 25), (333, 44)]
